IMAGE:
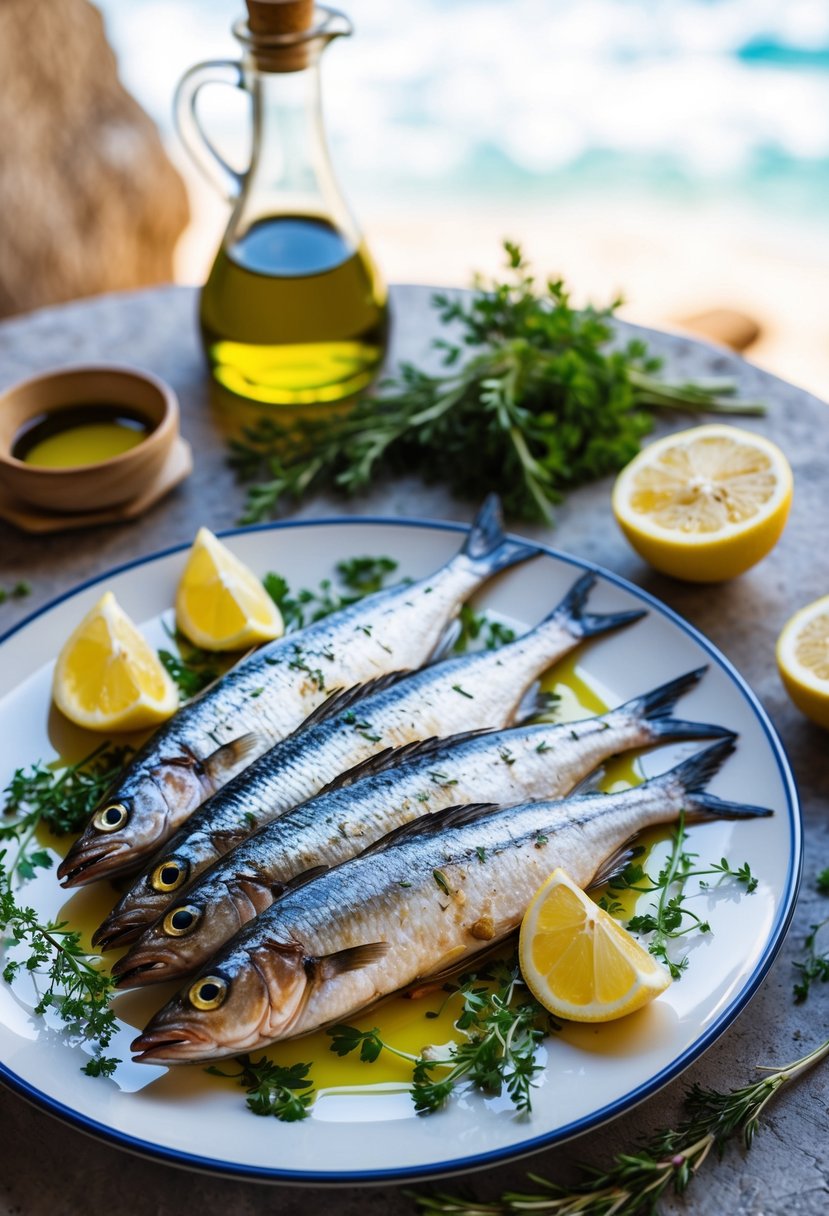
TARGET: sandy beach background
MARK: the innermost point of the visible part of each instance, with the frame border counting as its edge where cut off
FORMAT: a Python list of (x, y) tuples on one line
[(675, 153)]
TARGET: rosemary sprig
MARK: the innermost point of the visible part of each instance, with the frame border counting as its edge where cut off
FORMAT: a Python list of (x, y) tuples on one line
[(74, 986), (671, 917), (636, 1180), (531, 386), (284, 1093), (61, 799), (503, 1028)]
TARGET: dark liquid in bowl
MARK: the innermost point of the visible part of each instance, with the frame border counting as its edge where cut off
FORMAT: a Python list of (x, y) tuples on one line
[(80, 435)]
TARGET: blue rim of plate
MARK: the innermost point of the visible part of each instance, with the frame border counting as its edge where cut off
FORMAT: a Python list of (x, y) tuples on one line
[(535, 1143)]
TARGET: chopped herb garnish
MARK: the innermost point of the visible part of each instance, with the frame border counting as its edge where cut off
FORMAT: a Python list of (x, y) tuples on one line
[(462, 691), (284, 1093), (440, 879), (502, 1029)]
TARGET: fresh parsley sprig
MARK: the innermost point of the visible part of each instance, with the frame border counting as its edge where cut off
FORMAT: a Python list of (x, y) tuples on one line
[(636, 1180), (61, 799), (671, 916), (68, 978), (284, 1093), (503, 1028), (533, 400)]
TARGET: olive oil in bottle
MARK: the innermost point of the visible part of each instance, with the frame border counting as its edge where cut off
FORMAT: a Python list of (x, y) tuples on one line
[(293, 314)]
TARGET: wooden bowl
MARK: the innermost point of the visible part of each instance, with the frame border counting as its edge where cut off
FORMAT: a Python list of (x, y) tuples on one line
[(89, 487)]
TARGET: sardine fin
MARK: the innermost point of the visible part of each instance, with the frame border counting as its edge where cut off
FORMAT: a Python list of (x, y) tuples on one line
[(299, 880), (391, 757), (344, 698), (426, 825), (227, 757), (488, 546), (352, 959), (613, 865), (225, 839)]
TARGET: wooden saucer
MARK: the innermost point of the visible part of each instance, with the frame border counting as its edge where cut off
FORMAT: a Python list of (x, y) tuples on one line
[(177, 466)]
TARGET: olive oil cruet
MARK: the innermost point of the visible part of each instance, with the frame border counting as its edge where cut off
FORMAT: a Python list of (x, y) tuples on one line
[(293, 311)]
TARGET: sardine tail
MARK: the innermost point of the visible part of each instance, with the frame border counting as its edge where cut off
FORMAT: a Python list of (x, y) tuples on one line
[(654, 707), (694, 773), (488, 547), (570, 612), (659, 702)]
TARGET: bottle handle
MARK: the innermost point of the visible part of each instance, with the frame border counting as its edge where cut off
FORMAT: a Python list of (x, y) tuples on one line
[(222, 176)]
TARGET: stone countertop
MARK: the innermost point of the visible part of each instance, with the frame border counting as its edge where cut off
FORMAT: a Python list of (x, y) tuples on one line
[(788, 1169)]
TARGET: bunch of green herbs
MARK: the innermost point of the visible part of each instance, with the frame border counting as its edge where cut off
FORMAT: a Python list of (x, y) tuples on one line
[(533, 400)]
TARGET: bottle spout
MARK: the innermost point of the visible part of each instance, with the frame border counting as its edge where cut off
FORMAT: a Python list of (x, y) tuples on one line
[(288, 35)]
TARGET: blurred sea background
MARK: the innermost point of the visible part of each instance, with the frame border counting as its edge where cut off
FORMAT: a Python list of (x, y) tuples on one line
[(672, 151)]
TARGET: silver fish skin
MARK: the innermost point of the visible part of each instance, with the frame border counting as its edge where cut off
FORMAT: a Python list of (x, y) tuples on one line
[(269, 694), (431, 895), (508, 766), (470, 692)]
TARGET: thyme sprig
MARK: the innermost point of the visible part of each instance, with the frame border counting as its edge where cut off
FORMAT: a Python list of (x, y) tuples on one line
[(531, 386), (285, 1093), (61, 799), (671, 916), (503, 1029), (74, 986), (636, 1180)]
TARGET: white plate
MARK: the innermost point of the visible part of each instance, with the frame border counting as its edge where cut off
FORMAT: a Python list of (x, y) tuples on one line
[(591, 1074)]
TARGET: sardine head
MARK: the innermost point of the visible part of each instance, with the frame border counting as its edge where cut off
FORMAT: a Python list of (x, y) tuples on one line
[(144, 902), (222, 1014), (180, 942), (132, 821)]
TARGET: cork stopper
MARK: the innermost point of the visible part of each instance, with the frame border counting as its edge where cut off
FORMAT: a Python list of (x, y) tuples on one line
[(280, 16), (288, 35)]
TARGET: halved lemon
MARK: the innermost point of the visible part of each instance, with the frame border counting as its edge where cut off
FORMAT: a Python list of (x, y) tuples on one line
[(704, 504), (578, 962), (108, 678), (220, 603), (803, 660)]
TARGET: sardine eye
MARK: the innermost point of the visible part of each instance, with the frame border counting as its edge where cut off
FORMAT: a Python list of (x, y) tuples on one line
[(180, 921), (169, 876), (208, 993), (110, 818)]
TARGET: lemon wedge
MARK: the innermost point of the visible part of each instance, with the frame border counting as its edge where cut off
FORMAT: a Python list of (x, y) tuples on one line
[(578, 962), (220, 603), (108, 678), (803, 660), (704, 504)]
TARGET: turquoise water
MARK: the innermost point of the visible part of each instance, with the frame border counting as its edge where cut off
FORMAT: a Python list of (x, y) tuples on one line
[(689, 100)]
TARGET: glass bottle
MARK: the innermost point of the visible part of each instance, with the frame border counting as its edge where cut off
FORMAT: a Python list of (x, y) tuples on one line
[(293, 311)]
